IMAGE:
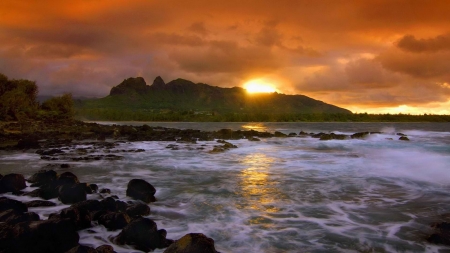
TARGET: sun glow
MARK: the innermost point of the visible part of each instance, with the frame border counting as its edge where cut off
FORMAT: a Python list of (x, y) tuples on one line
[(259, 86)]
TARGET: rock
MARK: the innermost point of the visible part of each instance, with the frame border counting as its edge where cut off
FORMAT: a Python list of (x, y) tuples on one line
[(12, 217), (404, 138), (90, 205), (68, 178), (279, 134), (6, 204), (253, 139), (141, 190), (217, 150), (105, 249), (138, 210), (44, 236), (360, 135), (192, 243), (143, 234), (80, 216), (113, 221), (441, 233), (292, 134), (39, 203), (332, 136), (12, 183), (113, 205), (43, 177), (105, 191), (303, 133), (82, 249), (93, 188), (70, 194), (64, 166), (28, 143)]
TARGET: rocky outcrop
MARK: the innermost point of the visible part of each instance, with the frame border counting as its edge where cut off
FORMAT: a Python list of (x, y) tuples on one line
[(12, 183), (130, 85), (192, 243), (141, 190)]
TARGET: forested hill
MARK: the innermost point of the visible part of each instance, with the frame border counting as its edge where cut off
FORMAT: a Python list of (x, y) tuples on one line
[(183, 95)]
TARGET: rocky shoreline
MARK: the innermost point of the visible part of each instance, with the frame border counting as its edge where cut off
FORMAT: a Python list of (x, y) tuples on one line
[(24, 231)]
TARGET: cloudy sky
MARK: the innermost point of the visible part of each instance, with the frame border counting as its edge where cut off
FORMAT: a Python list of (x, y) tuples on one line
[(371, 56)]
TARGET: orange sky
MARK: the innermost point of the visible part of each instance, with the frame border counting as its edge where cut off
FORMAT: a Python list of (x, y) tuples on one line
[(372, 56)]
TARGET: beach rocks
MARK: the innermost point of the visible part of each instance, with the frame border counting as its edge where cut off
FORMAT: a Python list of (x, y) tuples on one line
[(69, 194), (6, 204), (141, 190), (12, 183), (441, 234), (12, 217), (113, 221), (404, 138), (43, 177), (143, 234), (138, 210), (39, 203), (192, 243), (79, 216)]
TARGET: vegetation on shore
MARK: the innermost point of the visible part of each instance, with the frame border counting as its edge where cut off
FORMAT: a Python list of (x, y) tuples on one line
[(18, 103)]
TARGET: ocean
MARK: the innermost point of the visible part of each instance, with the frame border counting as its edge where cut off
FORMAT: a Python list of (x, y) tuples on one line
[(297, 194)]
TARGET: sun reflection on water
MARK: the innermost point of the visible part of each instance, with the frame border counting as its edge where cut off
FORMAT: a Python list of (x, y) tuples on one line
[(257, 189), (260, 127)]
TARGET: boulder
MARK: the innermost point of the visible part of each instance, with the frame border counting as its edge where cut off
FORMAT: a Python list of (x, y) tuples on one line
[(90, 205), (404, 138), (141, 190), (105, 249), (441, 233), (28, 143), (12, 217), (143, 234), (70, 194), (12, 183), (68, 178), (38, 203), (113, 221), (43, 177), (80, 217), (138, 210), (192, 243), (6, 204)]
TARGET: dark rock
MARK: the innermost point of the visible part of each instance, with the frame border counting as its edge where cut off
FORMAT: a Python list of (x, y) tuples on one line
[(143, 234), (105, 249), (279, 134), (359, 135), (43, 177), (192, 243), (404, 138), (141, 190), (253, 139), (90, 205), (333, 136), (113, 221), (12, 183), (138, 210), (44, 236), (68, 178), (70, 194), (28, 143), (80, 216), (93, 187), (292, 134), (217, 150), (441, 233), (105, 191), (401, 134), (64, 166), (13, 217), (82, 249), (303, 133), (38, 203), (6, 204)]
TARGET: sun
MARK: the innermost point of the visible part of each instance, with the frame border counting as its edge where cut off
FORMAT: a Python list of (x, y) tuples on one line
[(259, 86)]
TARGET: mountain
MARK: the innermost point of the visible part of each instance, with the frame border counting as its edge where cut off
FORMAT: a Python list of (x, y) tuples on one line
[(184, 95)]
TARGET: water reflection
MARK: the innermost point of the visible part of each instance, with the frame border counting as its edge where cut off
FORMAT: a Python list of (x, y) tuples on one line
[(257, 188), (260, 127)]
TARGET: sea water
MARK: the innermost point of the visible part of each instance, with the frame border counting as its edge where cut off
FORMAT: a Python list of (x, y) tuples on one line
[(295, 194)]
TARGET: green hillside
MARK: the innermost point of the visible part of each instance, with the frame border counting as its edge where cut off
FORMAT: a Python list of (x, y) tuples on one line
[(181, 96)]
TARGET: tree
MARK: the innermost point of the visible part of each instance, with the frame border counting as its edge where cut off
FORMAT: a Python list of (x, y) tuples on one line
[(59, 108), (17, 99)]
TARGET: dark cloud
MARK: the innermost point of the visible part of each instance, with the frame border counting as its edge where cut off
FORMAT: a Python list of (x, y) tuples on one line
[(411, 44), (199, 28)]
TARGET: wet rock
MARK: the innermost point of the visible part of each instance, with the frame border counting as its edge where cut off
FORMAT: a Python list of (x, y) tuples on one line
[(138, 210), (113, 221), (401, 134), (28, 143), (90, 205), (93, 188), (43, 177), (192, 243), (279, 134), (39, 203), (12, 217), (70, 194), (80, 217), (44, 236), (141, 190), (105, 191), (82, 249), (12, 183), (6, 204), (253, 139), (143, 234), (292, 134), (68, 178), (333, 136), (303, 133), (64, 166), (441, 233), (217, 150), (105, 249), (404, 138), (360, 135)]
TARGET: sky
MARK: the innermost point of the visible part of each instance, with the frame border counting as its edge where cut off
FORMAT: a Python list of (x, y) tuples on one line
[(375, 56)]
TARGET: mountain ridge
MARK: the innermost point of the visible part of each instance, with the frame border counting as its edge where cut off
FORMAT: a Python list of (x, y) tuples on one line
[(184, 95)]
